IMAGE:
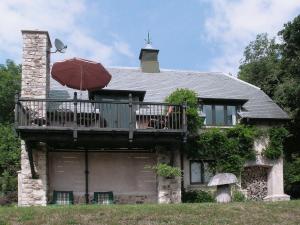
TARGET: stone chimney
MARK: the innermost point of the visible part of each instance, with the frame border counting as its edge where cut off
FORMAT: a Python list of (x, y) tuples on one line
[(36, 64), (149, 58)]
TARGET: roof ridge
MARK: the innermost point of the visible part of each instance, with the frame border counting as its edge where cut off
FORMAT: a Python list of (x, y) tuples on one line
[(165, 70), (237, 79)]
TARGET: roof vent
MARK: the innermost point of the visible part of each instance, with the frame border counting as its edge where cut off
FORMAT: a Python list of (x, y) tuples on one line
[(149, 58)]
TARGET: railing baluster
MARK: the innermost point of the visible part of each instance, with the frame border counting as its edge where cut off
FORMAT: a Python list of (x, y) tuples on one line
[(100, 114)]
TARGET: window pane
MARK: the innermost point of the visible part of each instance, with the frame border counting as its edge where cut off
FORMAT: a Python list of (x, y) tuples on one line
[(207, 109), (220, 115), (207, 173), (231, 115), (195, 172)]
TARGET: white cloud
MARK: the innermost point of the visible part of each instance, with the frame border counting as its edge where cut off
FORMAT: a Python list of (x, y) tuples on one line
[(61, 19), (233, 24)]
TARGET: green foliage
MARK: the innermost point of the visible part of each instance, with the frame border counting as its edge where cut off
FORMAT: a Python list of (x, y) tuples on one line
[(260, 65), (275, 147), (194, 121), (197, 197), (230, 148), (9, 158), (275, 68), (238, 196), (10, 83), (292, 177), (167, 171)]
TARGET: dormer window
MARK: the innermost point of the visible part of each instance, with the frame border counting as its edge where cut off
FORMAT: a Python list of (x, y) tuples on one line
[(219, 115), (220, 112)]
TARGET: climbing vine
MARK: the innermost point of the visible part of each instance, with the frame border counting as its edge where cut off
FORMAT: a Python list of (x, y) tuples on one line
[(277, 136), (228, 148)]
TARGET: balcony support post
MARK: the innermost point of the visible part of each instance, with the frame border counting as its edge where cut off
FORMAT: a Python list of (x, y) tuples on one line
[(184, 121), (75, 136), (16, 110), (29, 146), (130, 118)]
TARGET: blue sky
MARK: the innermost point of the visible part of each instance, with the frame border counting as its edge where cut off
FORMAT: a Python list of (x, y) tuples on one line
[(203, 35)]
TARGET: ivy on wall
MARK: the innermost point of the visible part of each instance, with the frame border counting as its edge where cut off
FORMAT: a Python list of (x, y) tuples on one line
[(228, 148), (277, 136)]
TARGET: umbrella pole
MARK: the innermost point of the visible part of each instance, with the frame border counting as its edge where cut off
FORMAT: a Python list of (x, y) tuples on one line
[(81, 75)]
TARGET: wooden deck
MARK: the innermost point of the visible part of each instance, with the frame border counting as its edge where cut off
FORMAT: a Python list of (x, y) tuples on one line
[(43, 119)]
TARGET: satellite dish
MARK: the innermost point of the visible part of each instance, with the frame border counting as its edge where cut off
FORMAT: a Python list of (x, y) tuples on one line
[(59, 45)]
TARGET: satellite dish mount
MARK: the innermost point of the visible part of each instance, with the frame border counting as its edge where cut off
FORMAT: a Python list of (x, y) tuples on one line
[(60, 46)]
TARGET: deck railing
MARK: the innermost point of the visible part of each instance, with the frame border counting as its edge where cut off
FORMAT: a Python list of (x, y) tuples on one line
[(99, 115)]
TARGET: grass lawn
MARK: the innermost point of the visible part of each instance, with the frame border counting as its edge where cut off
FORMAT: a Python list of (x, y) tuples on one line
[(249, 213)]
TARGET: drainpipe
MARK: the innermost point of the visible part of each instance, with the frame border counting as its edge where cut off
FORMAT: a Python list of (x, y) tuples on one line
[(182, 166), (86, 176)]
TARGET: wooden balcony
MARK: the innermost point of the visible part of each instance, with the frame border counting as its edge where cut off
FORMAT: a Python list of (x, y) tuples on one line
[(114, 121)]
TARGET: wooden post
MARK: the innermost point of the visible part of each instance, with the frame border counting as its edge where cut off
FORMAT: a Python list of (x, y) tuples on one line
[(184, 121), (75, 117), (16, 110), (29, 147), (130, 118)]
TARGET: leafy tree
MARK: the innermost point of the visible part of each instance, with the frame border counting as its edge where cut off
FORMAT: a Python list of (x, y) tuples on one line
[(288, 96), (275, 68), (9, 158), (10, 77), (260, 65)]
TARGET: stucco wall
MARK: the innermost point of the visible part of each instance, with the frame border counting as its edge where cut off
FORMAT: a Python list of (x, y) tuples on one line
[(122, 173), (274, 170)]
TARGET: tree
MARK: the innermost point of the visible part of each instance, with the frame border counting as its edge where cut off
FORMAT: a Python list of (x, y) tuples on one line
[(288, 96), (260, 65), (275, 68), (10, 77), (9, 159)]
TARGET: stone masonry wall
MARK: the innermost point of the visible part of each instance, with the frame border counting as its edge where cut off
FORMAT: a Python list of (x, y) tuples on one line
[(263, 178), (169, 190), (32, 192), (36, 64), (35, 84)]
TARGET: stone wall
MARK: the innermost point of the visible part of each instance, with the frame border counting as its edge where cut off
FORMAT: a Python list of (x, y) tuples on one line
[(32, 192), (35, 84), (263, 178), (35, 64), (169, 190)]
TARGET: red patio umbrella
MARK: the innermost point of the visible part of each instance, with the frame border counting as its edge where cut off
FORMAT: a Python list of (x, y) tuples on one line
[(80, 74)]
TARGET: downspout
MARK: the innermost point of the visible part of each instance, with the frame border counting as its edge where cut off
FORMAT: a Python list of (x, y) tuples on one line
[(86, 176), (181, 166)]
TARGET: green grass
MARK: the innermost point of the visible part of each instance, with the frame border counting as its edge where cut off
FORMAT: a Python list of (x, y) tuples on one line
[(250, 213)]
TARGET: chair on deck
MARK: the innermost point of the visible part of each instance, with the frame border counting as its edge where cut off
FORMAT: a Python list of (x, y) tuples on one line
[(161, 122)]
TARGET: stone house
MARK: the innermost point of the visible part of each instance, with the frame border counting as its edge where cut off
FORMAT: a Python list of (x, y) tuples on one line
[(98, 144)]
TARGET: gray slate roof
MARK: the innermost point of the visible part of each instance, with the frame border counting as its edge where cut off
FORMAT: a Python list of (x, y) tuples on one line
[(206, 84)]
